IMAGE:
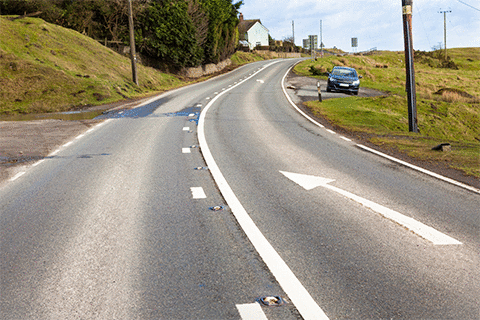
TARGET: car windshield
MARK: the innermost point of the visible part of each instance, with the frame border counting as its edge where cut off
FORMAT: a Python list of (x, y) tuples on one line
[(344, 72)]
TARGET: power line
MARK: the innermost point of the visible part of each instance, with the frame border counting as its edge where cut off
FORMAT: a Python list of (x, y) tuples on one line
[(468, 5)]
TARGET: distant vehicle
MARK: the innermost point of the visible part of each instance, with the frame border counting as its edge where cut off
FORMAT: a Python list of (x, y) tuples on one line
[(343, 79)]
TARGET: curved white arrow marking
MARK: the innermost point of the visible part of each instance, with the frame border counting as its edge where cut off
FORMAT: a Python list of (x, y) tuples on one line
[(310, 182)]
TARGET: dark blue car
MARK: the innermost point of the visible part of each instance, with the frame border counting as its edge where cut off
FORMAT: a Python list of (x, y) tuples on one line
[(343, 79)]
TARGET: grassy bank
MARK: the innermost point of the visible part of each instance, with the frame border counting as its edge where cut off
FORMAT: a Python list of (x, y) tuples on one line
[(47, 68), (448, 104)]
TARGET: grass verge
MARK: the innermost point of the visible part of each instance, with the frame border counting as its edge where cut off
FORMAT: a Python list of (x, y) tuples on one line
[(447, 104)]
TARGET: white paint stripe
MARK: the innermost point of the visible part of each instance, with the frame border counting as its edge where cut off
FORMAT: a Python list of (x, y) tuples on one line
[(331, 131), (186, 128), (411, 166), (251, 311), (186, 150), (191, 115), (198, 193), (90, 130), (80, 136), (346, 139), (430, 173), (18, 175), (208, 98), (294, 105), (54, 153), (426, 232), (37, 163), (67, 144), (299, 296)]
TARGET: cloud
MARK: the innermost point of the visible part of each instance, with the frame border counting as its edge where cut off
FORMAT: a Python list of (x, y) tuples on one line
[(376, 23)]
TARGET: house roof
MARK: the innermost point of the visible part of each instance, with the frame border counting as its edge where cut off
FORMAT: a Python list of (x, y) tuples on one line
[(246, 25)]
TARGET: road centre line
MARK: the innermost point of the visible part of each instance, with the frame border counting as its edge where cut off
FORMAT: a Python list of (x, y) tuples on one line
[(198, 193), (186, 150), (251, 311), (186, 128), (297, 293), (411, 166)]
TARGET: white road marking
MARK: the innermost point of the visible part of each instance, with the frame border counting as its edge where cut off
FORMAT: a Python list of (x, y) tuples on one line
[(208, 98), (331, 131), (80, 136), (430, 173), (297, 293), (186, 128), (346, 139), (309, 182), (38, 162), (18, 175), (251, 311), (191, 115), (54, 153), (411, 166), (261, 81), (215, 93), (67, 144), (186, 150), (198, 193)]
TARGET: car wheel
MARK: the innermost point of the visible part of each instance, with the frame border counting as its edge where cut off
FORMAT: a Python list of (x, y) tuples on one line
[(355, 93), (329, 90)]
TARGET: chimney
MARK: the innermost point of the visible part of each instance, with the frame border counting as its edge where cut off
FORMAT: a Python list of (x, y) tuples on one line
[(241, 17)]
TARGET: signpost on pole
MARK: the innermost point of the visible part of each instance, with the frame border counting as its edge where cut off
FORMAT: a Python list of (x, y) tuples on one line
[(410, 83)]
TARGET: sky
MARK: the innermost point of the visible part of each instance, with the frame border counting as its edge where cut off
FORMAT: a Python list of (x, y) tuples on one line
[(376, 23)]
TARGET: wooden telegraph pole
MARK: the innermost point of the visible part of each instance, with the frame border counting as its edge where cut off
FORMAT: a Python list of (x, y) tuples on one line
[(410, 83), (132, 43)]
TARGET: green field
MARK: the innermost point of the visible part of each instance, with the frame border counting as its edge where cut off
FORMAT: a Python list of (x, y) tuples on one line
[(448, 103)]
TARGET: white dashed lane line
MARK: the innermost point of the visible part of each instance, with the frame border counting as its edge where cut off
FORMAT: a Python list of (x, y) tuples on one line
[(186, 150), (251, 311), (198, 193)]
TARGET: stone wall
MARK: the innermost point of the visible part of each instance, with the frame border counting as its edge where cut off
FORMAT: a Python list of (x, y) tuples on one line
[(206, 69)]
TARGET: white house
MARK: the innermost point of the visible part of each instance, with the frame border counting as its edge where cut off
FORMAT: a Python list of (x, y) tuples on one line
[(252, 32)]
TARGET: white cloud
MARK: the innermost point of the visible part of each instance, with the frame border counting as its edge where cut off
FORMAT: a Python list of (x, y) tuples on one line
[(376, 23)]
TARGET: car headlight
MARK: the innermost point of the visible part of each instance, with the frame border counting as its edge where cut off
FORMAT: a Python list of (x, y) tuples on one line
[(332, 79), (356, 82)]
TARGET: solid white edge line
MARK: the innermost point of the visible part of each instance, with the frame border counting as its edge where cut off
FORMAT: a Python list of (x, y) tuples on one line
[(198, 193), (18, 175), (294, 105), (346, 139), (297, 293), (411, 166), (251, 311), (331, 131)]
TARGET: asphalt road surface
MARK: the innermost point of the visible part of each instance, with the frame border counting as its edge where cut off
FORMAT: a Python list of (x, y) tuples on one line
[(117, 224)]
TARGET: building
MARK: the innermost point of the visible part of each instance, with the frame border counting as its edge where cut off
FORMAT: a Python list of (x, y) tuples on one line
[(252, 33)]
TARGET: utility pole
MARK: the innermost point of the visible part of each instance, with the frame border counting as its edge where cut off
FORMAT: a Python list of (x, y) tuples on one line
[(445, 30), (293, 32), (132, 43), (410, 83)]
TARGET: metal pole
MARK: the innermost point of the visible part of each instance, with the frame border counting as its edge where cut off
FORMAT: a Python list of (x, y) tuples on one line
[(132, 43), (410, 83), (321, 39), (445, 30)]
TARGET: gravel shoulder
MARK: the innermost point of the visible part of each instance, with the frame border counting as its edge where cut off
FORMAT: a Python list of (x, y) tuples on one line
[(22, 143)]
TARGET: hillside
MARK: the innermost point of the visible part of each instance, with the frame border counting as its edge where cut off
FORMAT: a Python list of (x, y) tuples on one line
[(47, 68)]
